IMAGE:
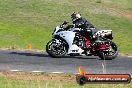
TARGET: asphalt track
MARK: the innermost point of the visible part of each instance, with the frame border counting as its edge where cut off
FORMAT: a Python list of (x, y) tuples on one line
[(39, 61)]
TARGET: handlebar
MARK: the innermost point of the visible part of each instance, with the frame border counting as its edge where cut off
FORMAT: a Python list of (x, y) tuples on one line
[(64, 23)]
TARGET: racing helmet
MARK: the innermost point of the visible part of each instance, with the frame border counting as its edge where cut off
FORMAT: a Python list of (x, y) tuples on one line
[(75, 16)]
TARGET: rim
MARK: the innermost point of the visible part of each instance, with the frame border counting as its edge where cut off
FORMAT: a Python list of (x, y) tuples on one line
[(56, 48)]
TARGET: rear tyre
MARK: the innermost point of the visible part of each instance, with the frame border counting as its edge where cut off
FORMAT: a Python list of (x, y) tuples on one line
[(56, 48), (109, 54)]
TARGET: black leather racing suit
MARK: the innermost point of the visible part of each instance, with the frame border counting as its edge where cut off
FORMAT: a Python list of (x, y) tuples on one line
[(87, 28)]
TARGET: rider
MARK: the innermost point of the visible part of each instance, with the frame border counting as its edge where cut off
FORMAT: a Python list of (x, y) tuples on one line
[(86, 26)]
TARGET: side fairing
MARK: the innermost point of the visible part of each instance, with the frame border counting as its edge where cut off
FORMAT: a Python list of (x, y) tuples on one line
[(69, 37)]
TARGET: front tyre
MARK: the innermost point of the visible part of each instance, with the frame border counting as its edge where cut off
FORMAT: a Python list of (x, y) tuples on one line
[(109, 54), (56, 48)]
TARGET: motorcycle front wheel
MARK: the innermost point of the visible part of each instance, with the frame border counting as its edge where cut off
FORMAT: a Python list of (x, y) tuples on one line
[(56, 48)]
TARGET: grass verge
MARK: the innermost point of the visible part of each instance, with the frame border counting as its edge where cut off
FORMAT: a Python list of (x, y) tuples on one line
[(44, 80)]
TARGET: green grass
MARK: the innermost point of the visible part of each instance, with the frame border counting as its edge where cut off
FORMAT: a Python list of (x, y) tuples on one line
[(6, 82), (54, 84), (32, 21)]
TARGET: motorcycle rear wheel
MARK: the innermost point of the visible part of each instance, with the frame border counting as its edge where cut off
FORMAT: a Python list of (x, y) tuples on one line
[(112, 53)]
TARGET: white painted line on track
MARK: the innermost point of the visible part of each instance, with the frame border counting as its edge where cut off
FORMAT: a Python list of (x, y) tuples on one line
[(57, 72), (22, 50), (129, 56), (37, 71), (15, 70), (38, 51)]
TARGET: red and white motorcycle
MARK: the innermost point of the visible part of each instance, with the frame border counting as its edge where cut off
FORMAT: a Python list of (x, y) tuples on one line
[(71, 42)]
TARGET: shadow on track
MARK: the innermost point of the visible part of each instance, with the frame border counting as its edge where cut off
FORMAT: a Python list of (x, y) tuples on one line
[(81, 57), (46, 55), (30, 54)]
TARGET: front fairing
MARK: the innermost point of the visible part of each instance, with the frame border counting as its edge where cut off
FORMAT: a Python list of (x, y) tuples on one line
[(69, 36), (56, 30)]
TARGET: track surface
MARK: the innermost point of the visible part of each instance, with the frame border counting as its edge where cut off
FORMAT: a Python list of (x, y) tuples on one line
[(34, 61)]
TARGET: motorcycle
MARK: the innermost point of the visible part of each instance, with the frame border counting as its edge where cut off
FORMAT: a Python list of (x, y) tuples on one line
[(72, 43)]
